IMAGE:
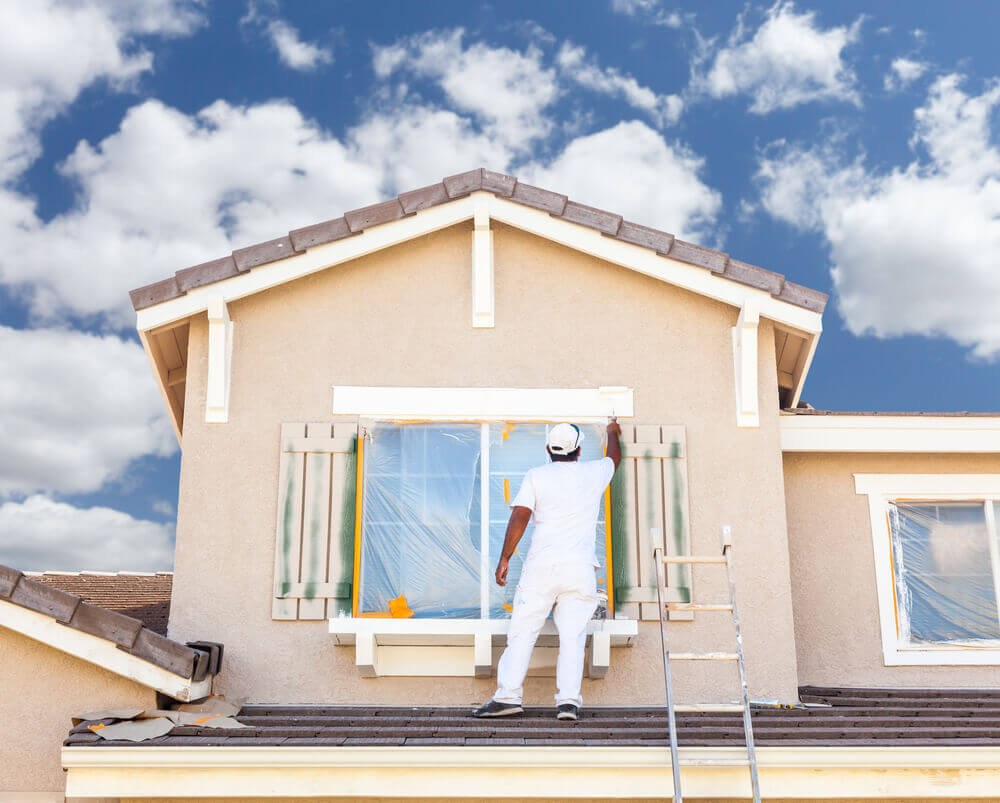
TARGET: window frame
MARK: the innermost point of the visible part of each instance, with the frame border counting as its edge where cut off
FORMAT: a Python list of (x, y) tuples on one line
[(485, 568), (885, 489)]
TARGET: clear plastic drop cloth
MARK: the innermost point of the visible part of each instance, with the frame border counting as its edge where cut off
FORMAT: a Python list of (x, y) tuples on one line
[(943, 563)]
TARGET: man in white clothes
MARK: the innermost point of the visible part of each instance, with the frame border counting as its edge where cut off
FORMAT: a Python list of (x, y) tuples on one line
[(565, 498)]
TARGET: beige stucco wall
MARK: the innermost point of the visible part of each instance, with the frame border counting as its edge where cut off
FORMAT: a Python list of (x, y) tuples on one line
[(837, 631), (40, 689), (403, 317)]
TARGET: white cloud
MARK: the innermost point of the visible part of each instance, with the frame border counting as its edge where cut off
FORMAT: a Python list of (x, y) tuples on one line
[(787, 61), (163, 507), (575, 65), (293, 51), (41, 534), (75, 410), (631, 170), (506, 90), (913, 249), (652, 11), (50, 51), (902, 73)]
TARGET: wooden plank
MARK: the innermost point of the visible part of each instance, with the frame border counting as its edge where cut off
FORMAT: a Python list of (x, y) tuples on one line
[(181, 336), (319, 444), (677, 535), (288, 532), (315, 523), (168, 349), (176, 376), (324, 590), (790, 355), (340, 569), (649, 512), (624, 531), (646, 450), (703, 656)]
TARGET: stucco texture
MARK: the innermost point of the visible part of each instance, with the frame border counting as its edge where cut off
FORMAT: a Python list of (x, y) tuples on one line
[(837, 631), (402, 317), (40, 689)]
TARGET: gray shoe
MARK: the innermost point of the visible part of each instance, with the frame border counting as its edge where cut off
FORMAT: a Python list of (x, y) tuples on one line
[(567, 711), (495, 709)]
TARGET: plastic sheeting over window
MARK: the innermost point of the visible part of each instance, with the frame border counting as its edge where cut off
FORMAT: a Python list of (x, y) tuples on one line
[(945, 562), (422, 512)]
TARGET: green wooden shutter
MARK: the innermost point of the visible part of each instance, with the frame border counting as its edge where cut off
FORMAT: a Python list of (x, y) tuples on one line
[(650, 493), (314, 538)]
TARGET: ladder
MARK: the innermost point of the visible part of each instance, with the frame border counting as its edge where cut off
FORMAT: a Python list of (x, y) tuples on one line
[(726, 558)]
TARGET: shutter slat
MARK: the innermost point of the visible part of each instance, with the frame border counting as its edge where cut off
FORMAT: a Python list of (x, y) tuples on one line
[(625, 531), (676, 534), (649, 510), (341, 553), (315, 523), (289, 527)]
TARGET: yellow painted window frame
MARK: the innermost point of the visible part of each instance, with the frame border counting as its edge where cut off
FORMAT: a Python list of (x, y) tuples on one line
[(359, 501)]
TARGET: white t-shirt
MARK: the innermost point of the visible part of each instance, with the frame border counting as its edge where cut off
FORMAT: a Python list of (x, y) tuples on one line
[(566, 499)]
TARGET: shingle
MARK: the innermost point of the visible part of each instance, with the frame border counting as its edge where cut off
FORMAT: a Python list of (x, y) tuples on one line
[(498, 183), (693, 254), (551, 202), (145, 597), (8, 579), (107, 624), (155, 293), (206, 273), (605, 222), (320, 233), (45, 599), (659, 241), (755, 277), (164, 653), (374, 215), (803, 296), (416, 200), (263, 253), (464, 183)]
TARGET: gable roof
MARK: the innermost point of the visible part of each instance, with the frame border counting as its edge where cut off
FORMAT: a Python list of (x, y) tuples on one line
[(449, 189)]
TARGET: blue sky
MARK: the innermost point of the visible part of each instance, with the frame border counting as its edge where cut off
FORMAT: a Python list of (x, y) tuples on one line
[(854, 150)]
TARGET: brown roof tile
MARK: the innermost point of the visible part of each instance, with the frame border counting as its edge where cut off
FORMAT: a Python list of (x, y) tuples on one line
[(457, 186), (145, 597)]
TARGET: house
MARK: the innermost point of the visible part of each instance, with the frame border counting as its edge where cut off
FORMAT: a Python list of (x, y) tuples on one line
[(356, 402)]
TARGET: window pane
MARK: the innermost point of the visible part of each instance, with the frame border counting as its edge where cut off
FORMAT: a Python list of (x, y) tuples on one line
[(943, 572), (420, 528), (514, 449)]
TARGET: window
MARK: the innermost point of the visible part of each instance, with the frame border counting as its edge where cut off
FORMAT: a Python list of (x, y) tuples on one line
[(434, 510), (937, 561)]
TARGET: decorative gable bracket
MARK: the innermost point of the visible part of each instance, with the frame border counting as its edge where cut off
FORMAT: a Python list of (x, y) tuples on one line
[(745, 365), (482, 265), (220, 358)]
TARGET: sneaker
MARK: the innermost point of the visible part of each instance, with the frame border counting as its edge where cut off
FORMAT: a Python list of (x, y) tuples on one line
[(495, 709), (567, 711)]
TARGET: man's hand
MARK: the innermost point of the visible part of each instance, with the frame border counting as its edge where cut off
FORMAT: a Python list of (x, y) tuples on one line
[(502, 566), (613, 428)]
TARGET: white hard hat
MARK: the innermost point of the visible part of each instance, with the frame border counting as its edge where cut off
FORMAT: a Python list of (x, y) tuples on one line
[(564, 438)]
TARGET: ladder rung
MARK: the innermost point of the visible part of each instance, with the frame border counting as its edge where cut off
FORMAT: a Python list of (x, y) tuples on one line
[(698, 606), (688, 708), (693, 558), (703, 656)]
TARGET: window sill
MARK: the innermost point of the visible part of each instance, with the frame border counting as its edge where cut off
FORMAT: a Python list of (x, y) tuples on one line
[(942, 656), (464, 647)]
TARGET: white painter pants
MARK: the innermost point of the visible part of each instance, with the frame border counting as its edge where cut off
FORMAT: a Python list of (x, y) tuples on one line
[(573, 591)]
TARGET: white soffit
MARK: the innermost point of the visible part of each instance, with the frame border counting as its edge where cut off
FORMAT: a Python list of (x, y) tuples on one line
[(506, 404), (889, 433)]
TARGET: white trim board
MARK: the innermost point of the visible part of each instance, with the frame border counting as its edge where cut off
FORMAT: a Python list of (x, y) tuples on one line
[(100, 652), (503, 404), (881, 489), (886, 433), (542, 772)]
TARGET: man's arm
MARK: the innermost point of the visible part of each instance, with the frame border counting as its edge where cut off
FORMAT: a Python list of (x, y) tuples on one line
[(518, 523), (614, 445)]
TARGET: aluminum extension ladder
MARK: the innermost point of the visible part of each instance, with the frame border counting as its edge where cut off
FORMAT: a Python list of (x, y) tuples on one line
[(726, 558)]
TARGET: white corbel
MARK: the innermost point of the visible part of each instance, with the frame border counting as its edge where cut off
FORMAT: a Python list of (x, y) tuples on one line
[(745, 365), (482, 265), (220, 358)]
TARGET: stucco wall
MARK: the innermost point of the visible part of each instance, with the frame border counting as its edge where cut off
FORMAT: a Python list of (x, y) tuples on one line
[(833, 570), (40, 689), (402, 317)]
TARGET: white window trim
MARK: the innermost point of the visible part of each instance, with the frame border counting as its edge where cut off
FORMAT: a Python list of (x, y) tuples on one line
[(584, 405), (881, 489)]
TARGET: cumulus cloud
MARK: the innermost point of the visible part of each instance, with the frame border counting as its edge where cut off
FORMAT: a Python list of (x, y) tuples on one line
[(292, 50), (651, 11), (576, 65), (75, 410), (41, 534), (787, 61), (630, 169), (913, 249), (902, 73)]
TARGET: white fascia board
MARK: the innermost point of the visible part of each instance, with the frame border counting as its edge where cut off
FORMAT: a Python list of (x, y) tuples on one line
[(542, 772), (455, 404), (100, 652), (882, 433)]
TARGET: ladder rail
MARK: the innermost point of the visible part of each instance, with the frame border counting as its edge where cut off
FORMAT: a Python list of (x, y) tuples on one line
[(675, 764)]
